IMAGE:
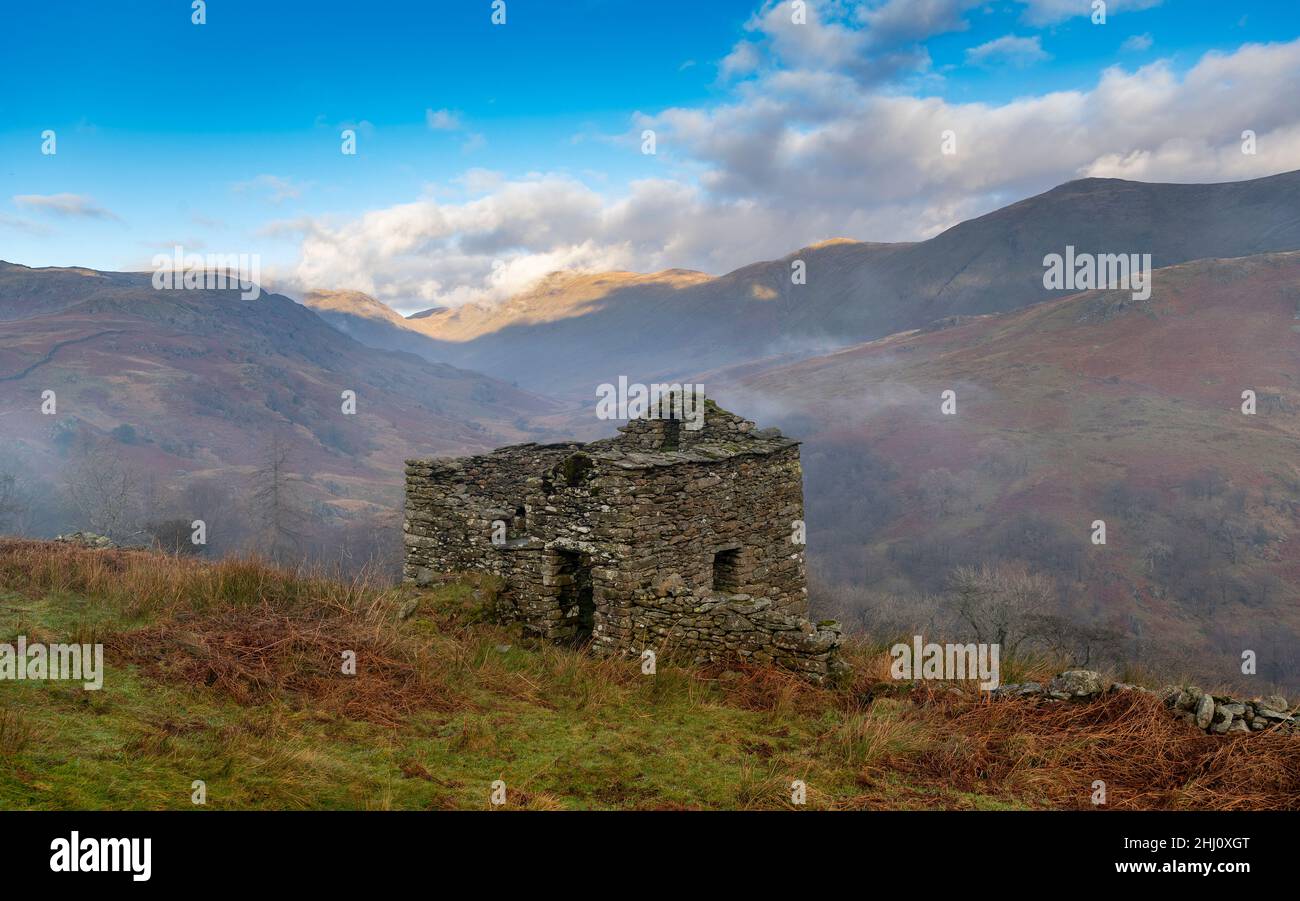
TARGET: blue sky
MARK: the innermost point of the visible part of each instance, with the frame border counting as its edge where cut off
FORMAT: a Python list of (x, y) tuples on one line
[(488, 154)]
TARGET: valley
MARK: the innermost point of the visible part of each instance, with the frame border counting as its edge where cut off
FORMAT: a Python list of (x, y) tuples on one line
[(1117, 406)]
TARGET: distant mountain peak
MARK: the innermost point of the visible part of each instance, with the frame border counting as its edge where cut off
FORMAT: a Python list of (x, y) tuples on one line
[(350, 303), (432, 311)]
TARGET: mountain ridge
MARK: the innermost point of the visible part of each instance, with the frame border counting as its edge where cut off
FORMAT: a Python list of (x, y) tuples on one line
[(565, 340)]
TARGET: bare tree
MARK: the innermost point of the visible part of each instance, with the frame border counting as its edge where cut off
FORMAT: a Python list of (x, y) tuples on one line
[(277, 513), (1083, 645), (1002, 604), (104, 488)]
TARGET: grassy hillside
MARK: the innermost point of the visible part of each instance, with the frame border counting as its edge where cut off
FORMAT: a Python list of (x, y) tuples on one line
[(230, 673)]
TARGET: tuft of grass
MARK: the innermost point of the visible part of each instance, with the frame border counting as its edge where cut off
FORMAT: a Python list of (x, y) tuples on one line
[(15, 733), (142, 584)]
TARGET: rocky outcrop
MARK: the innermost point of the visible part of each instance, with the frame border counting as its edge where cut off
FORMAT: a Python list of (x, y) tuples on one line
[(1215, 714), (87, 539)]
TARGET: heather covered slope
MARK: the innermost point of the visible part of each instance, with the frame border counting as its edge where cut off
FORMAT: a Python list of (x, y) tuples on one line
[(184, 385), (1093, 407), (229, 673), (572, 332), (26, 291)]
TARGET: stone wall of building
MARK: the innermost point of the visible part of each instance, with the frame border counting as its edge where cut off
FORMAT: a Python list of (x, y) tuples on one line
[(665, 539), (451, 505)]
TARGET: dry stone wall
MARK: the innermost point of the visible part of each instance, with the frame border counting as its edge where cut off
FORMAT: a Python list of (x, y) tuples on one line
[(1216, 714)]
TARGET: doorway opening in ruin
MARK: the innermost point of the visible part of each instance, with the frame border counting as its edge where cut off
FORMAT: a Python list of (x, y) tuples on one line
[(726, 570), (577, 598)]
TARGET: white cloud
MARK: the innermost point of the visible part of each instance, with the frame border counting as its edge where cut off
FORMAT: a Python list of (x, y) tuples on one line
[(797, 155), (816, 140), (1137, 43), (445, 252), (1052, 12), (68, 205), (744, 59), (481, 181), (1009, 49), (442, 120), (871, 43), (898, 21), (485, 249)]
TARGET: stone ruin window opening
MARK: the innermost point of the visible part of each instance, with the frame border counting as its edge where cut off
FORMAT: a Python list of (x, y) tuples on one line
[(577, 598), (577, 470), (519, 523), (668, 408), (672, 434), (726, 570)]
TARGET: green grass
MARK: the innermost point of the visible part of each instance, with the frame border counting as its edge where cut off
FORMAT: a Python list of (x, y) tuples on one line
[(563, 730), (228, 673), (138, 743)]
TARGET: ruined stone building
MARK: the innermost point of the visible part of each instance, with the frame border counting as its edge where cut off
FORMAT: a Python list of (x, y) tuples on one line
[(662, 538)]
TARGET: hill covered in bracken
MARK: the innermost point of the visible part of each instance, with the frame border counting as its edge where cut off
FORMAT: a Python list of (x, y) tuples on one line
[(229, 673), (1093, 407)]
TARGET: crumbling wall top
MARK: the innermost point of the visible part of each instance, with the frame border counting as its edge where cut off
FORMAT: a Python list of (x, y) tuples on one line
[(642, 443)]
